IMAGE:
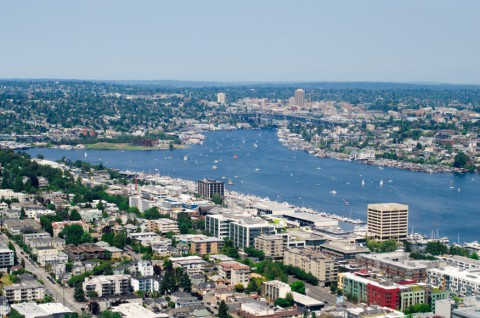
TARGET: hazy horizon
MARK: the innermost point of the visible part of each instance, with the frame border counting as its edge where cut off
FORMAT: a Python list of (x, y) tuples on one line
[(432, 41)]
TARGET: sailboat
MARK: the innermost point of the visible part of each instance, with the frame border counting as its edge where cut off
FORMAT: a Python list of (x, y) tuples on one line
[(230, 182), (381, 183), (185, 157), (85, 154), (459, 189), (363, 183), (235, 156), (451, 185)]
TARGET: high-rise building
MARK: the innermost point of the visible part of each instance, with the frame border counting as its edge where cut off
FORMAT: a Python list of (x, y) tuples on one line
[(208, 187), (299, 97), (221, 98), (387, 221)]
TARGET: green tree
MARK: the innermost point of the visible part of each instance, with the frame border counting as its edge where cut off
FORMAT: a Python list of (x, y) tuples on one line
[(79, 294), (223, 310), (15, 314), (298, 286), (436, 248), (109, 314), (22, 213), (460, 160), (75, 216), (74, 234), (474, 256), (184, 282), (152, 214), (239, 288), (217, 199)]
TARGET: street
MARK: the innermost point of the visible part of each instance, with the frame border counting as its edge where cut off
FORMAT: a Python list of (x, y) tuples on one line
[(57, 291)]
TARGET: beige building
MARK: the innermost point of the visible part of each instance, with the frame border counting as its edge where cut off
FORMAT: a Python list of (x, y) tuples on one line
[(299, 97), (387, 221), (234, 272), (275, 289), (162, 226), (25, 291), (272, 246), (107, 285), (311, 261)]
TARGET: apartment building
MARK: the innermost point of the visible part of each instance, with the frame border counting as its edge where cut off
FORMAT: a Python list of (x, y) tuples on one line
[(234, 272), (162, 226), (275, 289), (218, 225), (460, 282), (324, 268), (200, 244), (107, 285), (25, 291), (397, 264), (7, 258), (206, 188), (273, 246)]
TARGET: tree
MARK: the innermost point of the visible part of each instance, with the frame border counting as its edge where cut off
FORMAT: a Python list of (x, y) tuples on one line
[(79, 294), (298, 287), (74, 234), (474, 256), (22, 213), (223, 310), (94, 308), (15, 314), (460, 160), (109, 314), (184, 282), (436, 248), (239, 288), (74, 216), (285, 302), (217, 199), (152, 214)]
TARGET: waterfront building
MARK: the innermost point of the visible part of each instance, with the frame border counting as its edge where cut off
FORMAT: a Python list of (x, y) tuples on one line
[(387, 221), (208, 187), (107, 285), (324, 268)]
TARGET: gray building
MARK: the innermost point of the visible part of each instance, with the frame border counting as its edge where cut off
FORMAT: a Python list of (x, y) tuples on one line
[(208, 187)]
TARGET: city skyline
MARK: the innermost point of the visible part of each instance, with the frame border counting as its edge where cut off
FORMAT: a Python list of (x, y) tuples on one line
[(431, 41)]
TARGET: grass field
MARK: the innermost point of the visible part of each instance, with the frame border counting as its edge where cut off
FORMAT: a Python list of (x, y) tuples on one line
[(125, 146)]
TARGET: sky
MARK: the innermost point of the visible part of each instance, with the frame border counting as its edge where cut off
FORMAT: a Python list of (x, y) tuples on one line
[(245, 40)]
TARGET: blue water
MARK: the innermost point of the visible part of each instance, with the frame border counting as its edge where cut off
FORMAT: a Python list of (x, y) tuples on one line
[(271, 170)]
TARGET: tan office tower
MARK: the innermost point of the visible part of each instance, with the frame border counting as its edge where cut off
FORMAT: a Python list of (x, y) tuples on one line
[(300, 97), (387, 221), (221, 98)]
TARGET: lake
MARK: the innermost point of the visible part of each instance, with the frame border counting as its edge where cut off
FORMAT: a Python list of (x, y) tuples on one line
[(447, 204)]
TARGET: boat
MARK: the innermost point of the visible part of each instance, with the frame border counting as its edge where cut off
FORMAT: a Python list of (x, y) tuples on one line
[(459, 189), (255, 145), (451, 185), (214, 167), (257, 169), (381, 183), (185, 158), (235, 156), (230, 182), (333, 192), (363, 183), (85, 155)]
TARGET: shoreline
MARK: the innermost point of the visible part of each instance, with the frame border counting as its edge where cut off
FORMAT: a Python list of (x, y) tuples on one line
[(296, 143)]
